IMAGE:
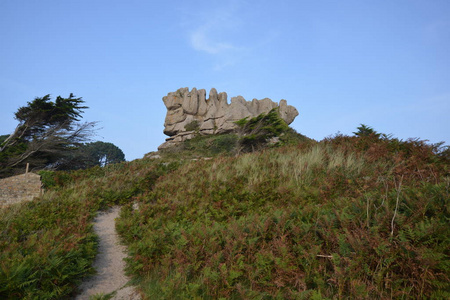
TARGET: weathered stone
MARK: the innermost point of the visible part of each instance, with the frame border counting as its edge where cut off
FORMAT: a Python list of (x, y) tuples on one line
[(174, 118), (190, 102), (20, 188), (152, 155), (202, 106), (207, 125), (265, 105), (286, 113), (172, 101), (236, 111), (213, 115)]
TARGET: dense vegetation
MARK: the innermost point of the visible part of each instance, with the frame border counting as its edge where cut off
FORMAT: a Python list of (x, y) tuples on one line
[(47, 246), (360, 217)]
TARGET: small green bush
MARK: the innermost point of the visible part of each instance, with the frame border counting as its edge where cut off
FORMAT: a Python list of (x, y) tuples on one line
[(47, 179), (255, 133), (203, 146), (192, 126)]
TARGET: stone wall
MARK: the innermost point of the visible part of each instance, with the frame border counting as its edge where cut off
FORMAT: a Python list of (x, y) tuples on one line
[(19, 188)]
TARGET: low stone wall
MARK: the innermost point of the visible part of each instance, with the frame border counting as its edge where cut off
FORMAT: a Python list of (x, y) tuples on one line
[(19, 188)]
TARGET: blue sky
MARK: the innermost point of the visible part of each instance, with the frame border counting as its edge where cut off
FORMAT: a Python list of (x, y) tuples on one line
[(382, 63)]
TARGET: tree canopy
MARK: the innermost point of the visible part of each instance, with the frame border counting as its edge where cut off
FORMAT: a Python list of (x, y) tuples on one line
[(364, 130), (104, 153), (93, 154), (46, 133)]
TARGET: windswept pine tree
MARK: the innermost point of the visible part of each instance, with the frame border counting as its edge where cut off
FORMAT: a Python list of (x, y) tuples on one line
[(46, 132)]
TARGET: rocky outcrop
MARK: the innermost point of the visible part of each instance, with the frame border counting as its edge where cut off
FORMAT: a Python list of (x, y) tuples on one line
[(190, 112)]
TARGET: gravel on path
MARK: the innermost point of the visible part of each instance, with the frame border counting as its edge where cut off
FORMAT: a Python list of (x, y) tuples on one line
[(109, 262)]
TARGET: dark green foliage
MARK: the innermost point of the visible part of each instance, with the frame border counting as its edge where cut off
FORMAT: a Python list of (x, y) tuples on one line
[(365, 130), (256, 133), (292, 137), (104, 153), (92, 154), (7, 154), (204, 146), (42, 113), (193, 126), (217, 144), (46, 248), (3, 138), (48, 179), (46, 135)]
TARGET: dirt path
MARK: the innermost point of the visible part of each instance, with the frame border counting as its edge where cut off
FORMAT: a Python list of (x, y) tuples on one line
[(109, 262)]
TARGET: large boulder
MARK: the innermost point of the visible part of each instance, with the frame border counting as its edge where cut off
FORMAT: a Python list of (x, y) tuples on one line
[(190, 109)]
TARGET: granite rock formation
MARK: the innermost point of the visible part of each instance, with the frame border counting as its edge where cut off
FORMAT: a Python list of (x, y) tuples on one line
[(190, 112)]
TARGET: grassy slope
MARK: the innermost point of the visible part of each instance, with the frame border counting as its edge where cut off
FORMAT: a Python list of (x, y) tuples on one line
[(346, 217), (47, 245)]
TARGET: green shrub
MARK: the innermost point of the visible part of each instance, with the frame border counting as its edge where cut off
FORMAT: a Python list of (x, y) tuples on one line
[(203, 146), (47, 179), (255, 133), (192, 126)]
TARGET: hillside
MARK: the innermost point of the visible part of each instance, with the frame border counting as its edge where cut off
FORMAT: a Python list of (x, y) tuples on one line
[(361, 217)]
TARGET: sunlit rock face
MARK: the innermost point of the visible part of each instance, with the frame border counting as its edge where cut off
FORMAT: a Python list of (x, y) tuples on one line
[(190, 112)]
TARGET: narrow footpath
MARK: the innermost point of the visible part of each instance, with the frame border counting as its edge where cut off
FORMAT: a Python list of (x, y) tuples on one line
[(109, 263)]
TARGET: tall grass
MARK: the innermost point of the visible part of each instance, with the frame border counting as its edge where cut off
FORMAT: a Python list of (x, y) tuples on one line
[(347, 217), (48, 245), (327, 219)]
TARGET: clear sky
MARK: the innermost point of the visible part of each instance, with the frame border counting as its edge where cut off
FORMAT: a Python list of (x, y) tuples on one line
[(383, 63)]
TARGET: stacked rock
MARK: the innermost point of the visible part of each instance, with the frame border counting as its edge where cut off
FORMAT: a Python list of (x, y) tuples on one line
[(187, 110)]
